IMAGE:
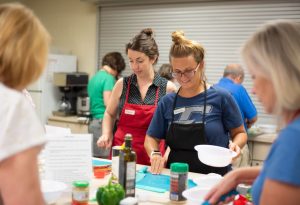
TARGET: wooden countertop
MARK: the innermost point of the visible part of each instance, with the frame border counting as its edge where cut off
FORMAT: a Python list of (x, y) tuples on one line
[(72, 119), (265, 138)]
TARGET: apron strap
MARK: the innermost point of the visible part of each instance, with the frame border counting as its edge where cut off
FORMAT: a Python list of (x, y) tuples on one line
[(205, 98), (128, 89), (156, 96)]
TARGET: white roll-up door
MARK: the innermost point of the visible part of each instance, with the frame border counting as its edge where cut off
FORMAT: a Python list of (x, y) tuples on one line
[(221, 27)]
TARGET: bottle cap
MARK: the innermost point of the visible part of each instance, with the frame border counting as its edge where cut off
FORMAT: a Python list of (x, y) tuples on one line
[(128, 136), (179, 167), (128, 140), (81, 184)]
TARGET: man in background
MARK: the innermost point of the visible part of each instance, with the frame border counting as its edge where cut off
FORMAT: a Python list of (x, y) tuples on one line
[(232, 80)]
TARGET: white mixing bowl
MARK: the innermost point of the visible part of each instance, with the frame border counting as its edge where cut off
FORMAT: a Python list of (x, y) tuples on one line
[(215, 156), (52, 190)]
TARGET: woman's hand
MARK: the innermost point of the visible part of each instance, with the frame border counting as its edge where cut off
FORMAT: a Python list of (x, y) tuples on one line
[(245, 175), (105, 141), (157, 163), (156, 159), (228, 183)]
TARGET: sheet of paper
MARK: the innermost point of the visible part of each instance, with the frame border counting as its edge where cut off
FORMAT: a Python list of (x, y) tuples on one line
[(57, 130), (68, 157)]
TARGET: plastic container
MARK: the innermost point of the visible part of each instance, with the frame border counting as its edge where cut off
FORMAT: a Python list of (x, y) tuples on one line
[(179, 179), (80, 193)]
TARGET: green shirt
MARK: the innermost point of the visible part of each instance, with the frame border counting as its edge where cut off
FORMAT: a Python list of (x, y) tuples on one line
[(98, 84)]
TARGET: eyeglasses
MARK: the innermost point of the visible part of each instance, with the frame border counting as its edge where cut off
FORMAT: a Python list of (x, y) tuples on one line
[(188, 73)]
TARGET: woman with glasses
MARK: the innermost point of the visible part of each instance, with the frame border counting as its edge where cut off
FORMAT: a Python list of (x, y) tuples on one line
[(196, 114), (135, 97)]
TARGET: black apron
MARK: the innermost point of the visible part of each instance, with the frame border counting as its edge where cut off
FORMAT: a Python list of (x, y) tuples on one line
[(182, 138)]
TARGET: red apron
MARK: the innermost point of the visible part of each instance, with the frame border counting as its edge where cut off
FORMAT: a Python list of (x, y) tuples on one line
[(135, 119)]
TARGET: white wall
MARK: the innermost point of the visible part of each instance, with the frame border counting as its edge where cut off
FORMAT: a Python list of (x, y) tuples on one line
[(72, 25)]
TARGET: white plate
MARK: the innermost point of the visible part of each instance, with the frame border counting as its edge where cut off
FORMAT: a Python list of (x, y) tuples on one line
[(215, 156)]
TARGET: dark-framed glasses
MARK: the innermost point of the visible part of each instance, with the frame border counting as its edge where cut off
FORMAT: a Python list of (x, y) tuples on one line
[(187, 73)]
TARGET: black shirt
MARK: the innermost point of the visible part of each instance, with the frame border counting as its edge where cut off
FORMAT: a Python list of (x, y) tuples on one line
[(135, 95)]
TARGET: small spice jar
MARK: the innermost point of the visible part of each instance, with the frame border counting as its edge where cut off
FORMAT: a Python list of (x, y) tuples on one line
[(80, 193), (179, 178)]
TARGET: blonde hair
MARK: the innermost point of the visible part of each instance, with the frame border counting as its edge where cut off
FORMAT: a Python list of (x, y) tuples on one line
[(183, 47), (274, 53), (23, 46)]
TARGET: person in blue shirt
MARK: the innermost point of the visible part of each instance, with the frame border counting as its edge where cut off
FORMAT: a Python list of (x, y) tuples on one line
[(232, 80), (197, 114), (272, 57)]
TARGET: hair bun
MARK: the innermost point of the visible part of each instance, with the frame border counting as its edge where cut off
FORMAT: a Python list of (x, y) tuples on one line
[(178, 37), (147, 31)]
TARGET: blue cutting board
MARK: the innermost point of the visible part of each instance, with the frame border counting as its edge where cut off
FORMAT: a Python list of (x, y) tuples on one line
[(156, 183)]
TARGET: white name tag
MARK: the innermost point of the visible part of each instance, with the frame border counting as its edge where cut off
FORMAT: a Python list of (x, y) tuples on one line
[(130, 112), (180, 110)]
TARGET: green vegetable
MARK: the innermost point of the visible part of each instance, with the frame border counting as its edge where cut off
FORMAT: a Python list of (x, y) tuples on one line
[(249, 195), (110, 194)]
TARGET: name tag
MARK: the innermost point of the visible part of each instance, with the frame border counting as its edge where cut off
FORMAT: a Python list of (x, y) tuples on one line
[(180, 110), (130, 112)]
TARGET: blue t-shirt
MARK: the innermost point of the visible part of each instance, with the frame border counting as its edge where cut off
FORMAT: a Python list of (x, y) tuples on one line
[(282, 163), (222, 114), (241, 96)]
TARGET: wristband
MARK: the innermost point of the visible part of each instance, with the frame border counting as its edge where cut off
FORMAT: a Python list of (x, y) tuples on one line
[(155, 152)]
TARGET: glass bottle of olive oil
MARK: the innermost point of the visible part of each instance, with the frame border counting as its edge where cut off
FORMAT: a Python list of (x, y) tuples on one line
[(127, 167)]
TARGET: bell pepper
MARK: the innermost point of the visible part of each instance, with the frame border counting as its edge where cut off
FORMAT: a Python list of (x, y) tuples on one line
[(110, 194), (240, 201)]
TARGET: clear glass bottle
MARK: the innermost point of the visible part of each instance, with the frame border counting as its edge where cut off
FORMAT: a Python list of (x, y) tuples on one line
[(80, 193), (127, 167)]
